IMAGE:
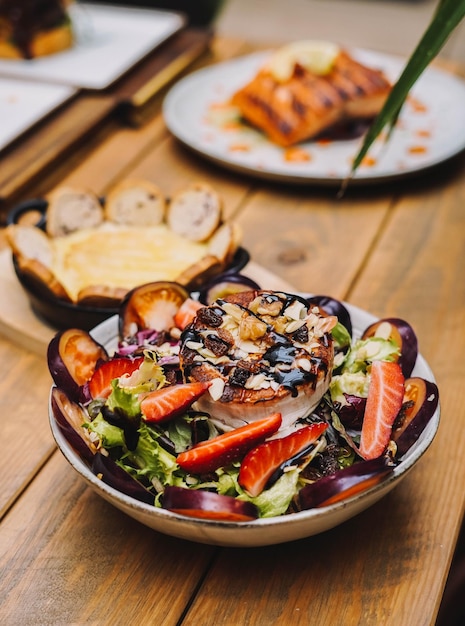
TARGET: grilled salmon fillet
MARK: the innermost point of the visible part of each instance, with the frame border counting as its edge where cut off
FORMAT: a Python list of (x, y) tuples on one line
[(306, 104)]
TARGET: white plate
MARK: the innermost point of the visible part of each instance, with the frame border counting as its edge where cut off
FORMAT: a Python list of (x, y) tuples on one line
[(109, 41), (23, 104), (263, 531), (430, 128)]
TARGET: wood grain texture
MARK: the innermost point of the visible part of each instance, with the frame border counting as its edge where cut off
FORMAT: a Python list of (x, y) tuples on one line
[(23, 420), (396, 250), (102, 567), (311, 239)]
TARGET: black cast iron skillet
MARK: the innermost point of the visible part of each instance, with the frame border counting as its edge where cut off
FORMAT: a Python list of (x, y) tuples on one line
[(59, 313)]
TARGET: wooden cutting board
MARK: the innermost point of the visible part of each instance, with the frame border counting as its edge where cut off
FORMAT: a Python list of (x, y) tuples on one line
[(20, 324)]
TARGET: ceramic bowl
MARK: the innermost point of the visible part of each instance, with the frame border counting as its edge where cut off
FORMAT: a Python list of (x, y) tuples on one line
[(261, 532)]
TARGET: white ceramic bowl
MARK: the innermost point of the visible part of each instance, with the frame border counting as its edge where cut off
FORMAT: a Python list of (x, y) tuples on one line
[(262, 531)]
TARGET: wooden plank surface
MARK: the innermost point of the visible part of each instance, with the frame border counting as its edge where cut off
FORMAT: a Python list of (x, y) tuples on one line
[(24, 390), (102, 567), (311, 238), (394, 251)]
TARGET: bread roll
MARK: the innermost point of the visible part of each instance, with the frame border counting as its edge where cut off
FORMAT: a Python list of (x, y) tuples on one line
[(198, 273), (72, 209), (29, 242), (224, 242), (102, 296), (195, 212), (42, 277), (135, 203)]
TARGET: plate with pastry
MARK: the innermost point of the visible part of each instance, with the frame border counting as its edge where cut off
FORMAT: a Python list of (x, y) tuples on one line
[(82, 256), (73, 43), (299, 113)]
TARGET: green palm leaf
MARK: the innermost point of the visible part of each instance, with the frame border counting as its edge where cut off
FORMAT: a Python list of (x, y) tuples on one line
[(448, 15)]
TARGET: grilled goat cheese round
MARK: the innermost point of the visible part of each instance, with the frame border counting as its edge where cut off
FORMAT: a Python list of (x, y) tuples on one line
[(263, 352)]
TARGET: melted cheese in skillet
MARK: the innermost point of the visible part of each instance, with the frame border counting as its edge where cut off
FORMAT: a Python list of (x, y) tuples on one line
[(121, 256)]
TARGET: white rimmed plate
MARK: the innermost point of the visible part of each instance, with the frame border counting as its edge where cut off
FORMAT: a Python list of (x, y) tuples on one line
[(109, 41), (430, 128), (23, 104), (263, 531)]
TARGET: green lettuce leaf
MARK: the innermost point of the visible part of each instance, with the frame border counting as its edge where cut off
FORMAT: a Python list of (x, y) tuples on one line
[(123, 400), (365, 351), (275, 500), (110, 436)]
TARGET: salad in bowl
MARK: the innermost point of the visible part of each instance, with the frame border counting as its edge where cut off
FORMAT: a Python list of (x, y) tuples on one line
[(241, 416)]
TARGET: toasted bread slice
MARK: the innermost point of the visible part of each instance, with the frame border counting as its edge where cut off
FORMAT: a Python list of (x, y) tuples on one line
[(200, 272), (225, 241), (101, 296), (42, 278), (30, 242), (135, 203), (195, 212), (72, 209)]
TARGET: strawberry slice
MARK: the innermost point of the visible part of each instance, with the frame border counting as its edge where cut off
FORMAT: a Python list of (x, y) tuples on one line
[(169, 402), (261, 462), (100, 383), (385, 397), (208, 456), (186, 313)]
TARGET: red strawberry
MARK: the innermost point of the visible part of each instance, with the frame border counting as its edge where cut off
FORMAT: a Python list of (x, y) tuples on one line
[(230, 446), (168, 402), (186, 313), (100, 383), (385, 397), (261, 462)]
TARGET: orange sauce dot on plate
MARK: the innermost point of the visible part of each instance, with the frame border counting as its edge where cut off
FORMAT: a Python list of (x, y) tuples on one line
[(369, 161), (296, 155), (417, 106), (417, 149), (231, 126), (239, 147), (215, 106)]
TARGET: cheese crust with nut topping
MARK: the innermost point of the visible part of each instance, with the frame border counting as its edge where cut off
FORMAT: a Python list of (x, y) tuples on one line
[(263, 352)]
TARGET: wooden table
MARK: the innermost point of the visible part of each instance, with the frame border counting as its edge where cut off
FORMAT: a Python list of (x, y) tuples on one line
[(68, 557)]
